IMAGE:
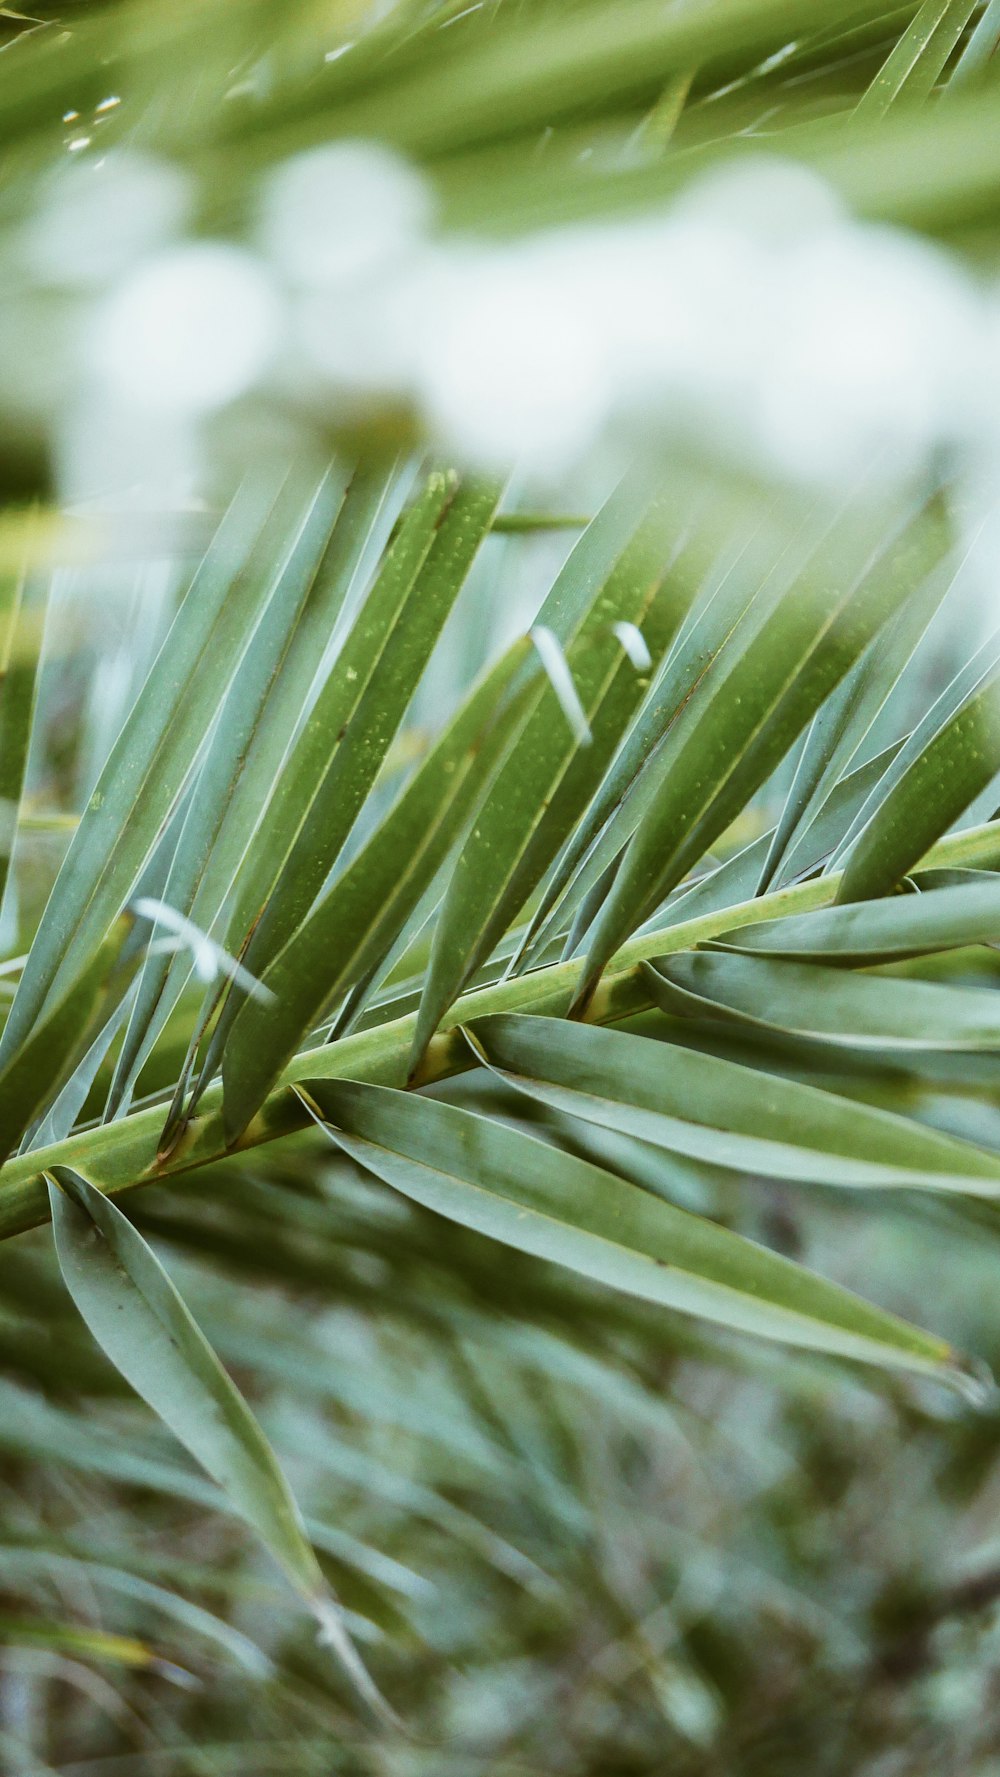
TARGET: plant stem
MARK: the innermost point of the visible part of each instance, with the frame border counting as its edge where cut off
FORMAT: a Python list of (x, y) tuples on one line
[(118, 1155)]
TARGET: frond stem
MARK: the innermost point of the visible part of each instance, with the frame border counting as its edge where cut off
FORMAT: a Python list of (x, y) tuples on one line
[(117, 1156)]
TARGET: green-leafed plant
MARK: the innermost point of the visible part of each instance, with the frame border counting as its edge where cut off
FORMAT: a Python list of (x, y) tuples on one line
[(623, 888)]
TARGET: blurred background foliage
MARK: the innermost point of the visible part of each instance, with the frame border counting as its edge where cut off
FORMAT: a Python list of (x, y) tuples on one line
[(574, 1534)]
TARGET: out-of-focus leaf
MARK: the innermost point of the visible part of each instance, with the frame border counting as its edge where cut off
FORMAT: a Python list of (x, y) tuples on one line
[(91, 1643), (148, 763), (23, 604), (980, 46), (35, 1562), (918, 59)]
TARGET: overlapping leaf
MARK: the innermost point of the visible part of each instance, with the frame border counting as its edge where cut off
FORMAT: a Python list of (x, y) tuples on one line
[(33, 1074), (919, 57), (23, 604), (959, 761), (150, 760), (352, 929), (722, 1112), (340, 750), (616, 574), (889, 930), (138, 1318), (529, 1195), (829, 1005), (763, 687)]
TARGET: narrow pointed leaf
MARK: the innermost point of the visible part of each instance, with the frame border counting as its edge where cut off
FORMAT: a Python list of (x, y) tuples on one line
[(36, 1071), (23, 604), (533, 1197), (141, 1323), (548, 773), (352, 724), (737, 879), (723, 1112), (828, 1005), (352, 929), (371, 503), (228, 749), (979, 48), (972, 678), (840, 726), (719, 599), (148, 764), (358, 712), (957, 763), (751, 708), (918, 59), (863, 933)]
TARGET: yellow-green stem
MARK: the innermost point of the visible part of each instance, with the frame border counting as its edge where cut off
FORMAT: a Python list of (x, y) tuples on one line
[(118, 1155)]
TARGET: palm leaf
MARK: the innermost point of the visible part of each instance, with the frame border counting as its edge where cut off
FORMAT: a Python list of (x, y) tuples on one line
[(586, 962), (519, 1191)]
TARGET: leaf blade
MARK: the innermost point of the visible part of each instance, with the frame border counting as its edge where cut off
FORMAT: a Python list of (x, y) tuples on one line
[(827, 1005), (528, 1195), (721, 1111), (140, 1321), (357, 922)]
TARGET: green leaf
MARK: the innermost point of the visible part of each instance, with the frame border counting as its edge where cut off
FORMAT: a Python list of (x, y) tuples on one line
[(718, 602), (738, 878), (34, 1073), (979, 48), (141, 1323), (352, 723), (149, 761), (527, 71), (354, 926), (722, 1112), (841, 725), (918, 59), (863, 933), (23, 605), (967, 682), (236, 728), (829, 1005), (371, 504), (751, 705), (534, 1197), (960, 760), (549, 771), (34, 1563), (363, 702)]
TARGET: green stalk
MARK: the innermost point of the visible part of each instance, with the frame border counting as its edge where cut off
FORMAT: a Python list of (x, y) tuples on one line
[(117, 1156)]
